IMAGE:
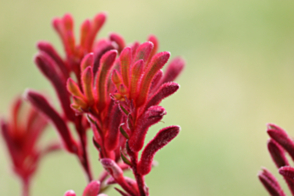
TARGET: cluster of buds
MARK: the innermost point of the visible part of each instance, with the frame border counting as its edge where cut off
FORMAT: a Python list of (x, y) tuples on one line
[(21, 134), (279, 144), (113, 88)]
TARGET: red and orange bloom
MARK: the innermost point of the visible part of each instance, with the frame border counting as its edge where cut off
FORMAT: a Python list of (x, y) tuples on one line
[(121, 101), (113, 89), (58, 69)]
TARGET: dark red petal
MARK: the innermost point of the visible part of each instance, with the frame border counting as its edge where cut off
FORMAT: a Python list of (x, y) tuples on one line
[(151, 116), (46, 65), (282, 138), (50, 51), (41, 104), (112, 137), (165, 90), (270, 183), (119, 40), (277, 153), (162, 138), (173, 70)]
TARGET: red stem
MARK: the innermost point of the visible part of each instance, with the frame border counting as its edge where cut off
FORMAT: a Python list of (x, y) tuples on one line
[(25, 187), (139, 178), (84, 160)]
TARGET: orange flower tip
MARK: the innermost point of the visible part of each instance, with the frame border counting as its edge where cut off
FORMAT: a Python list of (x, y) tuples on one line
[(80, 101), (115, 77), (68, 21), (87, 61), (70, 193), (122, 89), (87, 74), (73, 88)]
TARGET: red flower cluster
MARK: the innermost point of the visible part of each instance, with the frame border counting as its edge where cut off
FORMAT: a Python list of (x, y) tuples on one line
[(113, 88), (21, 134), (278, 144)]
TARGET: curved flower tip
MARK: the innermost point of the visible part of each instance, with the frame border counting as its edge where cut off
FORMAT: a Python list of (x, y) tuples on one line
[(70, 193), (277, 153), (92, 189), (282, 138), (41, 104), (174, 68), (162, 138), (270, 183), (152, 116), (287, 172), (113, 169)]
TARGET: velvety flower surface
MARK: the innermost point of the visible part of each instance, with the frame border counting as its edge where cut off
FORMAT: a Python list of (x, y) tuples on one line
[(114, 89), (279, 144)]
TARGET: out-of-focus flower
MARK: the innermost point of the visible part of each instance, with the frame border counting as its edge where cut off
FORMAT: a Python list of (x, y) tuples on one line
[(278, 144), (21, 134)]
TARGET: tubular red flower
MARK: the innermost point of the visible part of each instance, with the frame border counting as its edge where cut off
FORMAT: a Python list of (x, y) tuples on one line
[(157, 62), (46, 66), (119, 40), (174, 68), (282, 138), (143, 52), (106, 62), (40, 103), (277, 153), (151, 116), (165, 90), (162, 138), (112, 137), (270, 183)]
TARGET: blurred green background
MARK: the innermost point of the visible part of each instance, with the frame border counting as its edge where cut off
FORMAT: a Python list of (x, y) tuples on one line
[(238, 78)]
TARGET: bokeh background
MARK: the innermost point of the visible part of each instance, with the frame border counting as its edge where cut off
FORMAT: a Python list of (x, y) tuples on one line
[(239, 76)]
